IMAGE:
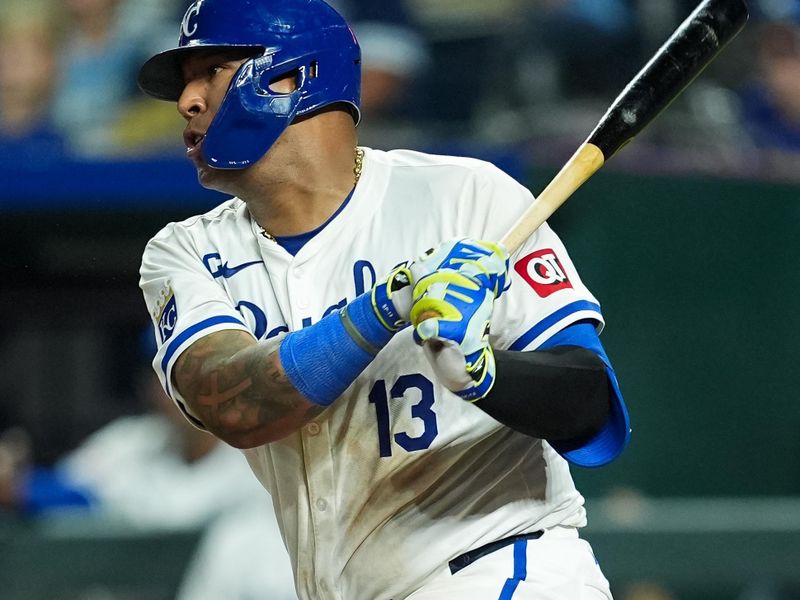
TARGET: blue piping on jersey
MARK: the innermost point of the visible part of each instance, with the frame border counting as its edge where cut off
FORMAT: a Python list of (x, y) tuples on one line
[(546, 323), (520, 570), (185, 335), (294, 243)]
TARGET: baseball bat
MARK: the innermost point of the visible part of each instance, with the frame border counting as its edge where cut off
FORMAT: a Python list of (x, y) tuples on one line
[(693, 45), (690, 48)]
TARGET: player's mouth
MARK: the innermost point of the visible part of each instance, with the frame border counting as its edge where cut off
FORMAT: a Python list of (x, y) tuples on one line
[(194, 143)]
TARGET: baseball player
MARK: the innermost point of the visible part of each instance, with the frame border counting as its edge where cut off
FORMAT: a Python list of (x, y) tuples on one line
[(411, 412)]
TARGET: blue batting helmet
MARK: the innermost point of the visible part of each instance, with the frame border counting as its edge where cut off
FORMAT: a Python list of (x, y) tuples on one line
[(306, 37)]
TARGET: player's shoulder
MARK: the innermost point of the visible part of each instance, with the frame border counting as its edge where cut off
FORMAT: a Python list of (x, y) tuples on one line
[(454, 184), (460, 176), (231, 213), (434, 164)]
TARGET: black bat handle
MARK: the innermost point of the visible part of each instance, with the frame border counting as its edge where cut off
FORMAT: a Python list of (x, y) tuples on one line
[(682, 57)]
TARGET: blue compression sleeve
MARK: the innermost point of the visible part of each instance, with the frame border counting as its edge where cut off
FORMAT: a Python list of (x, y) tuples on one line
[(322, 361)]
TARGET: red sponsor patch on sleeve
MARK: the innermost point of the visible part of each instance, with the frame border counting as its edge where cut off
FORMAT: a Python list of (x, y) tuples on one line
[(543, 272)]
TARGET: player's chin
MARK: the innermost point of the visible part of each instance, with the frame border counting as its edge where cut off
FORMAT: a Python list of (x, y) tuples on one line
[(209, 178), (205, 176)]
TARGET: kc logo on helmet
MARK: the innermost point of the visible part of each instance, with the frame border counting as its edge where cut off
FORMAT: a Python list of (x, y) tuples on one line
[(187, 27), (543, 272)]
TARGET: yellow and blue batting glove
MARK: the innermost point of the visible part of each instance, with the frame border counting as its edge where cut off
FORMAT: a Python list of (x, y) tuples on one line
[(453, 306), (462, 357), (487, 261), (391, 298)]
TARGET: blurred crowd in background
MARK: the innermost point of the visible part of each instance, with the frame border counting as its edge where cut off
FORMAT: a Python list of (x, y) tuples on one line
[(527, 76)]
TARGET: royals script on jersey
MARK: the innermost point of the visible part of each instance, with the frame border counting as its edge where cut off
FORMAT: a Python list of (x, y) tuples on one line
[(399, 475)]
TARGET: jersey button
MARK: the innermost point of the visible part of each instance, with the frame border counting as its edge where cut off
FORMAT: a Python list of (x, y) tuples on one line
[(313, 428), (322, 504), (298, 272)]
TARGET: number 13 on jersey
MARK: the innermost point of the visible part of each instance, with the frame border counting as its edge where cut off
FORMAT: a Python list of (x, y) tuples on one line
[(405, 388)]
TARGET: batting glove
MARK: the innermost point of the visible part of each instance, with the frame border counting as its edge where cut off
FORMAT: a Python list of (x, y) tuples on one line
[(452, 312), (456, 341), (391, 298), (486, 261)]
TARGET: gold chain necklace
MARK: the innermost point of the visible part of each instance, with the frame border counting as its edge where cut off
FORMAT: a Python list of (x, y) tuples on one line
[(359, 164), (357, 168)]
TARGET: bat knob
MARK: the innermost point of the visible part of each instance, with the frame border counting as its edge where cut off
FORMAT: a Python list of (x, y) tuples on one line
[(435, 345), (429, 314)]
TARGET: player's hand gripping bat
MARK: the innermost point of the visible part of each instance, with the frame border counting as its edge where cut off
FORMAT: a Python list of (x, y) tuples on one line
[(693, 45)]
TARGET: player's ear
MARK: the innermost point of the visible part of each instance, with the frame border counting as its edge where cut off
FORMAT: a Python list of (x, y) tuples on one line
[(286, 83)]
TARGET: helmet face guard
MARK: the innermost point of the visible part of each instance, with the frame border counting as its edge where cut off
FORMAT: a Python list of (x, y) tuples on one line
[(306, 38)]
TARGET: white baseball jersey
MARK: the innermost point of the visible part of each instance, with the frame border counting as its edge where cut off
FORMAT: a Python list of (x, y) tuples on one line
[(399, 475)]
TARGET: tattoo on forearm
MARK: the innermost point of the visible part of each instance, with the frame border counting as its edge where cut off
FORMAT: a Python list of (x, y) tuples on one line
[(243, 393)]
